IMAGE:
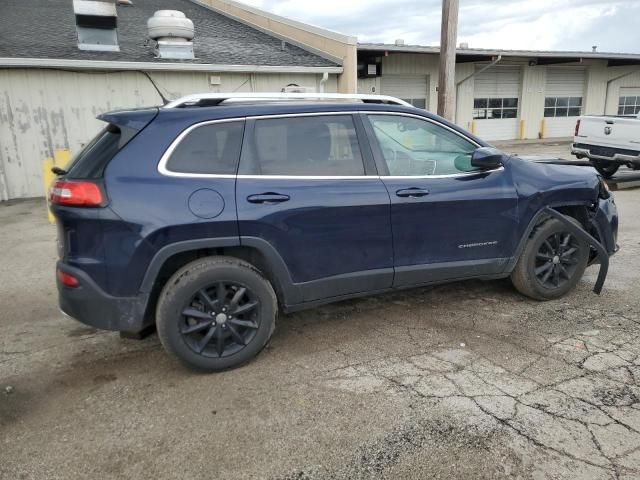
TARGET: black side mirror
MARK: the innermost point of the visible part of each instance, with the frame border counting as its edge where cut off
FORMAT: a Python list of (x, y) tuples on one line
[(487, 158)]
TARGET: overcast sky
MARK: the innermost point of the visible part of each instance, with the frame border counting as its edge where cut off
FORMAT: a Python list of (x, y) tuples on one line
[(612, 25)]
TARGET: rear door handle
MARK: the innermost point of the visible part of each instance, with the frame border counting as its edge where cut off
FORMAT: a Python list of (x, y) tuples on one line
[(268, 198), (412, 192)]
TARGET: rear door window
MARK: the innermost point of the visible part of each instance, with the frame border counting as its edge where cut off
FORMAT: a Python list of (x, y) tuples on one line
[(323, 145), (208, 149)]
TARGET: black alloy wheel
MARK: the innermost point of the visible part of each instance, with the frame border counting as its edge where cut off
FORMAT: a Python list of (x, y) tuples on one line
[(557, 259), (220, 320), (216, 313), (552, 262)]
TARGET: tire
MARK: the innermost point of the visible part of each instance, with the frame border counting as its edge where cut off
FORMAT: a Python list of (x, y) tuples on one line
[(607, 170), (210, 307), (544, 254)]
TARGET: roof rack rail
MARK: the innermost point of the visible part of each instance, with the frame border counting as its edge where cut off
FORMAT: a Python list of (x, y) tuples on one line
[(212, 99)]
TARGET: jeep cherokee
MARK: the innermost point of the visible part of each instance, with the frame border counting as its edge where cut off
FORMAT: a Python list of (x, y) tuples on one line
[(208, 216)]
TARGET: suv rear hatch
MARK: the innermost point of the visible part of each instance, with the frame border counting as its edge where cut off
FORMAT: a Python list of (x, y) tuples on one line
[(78, 194)]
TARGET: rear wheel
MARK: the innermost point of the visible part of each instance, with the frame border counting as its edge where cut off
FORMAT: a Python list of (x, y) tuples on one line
[(216, 313), (552, 263), (606, 169)]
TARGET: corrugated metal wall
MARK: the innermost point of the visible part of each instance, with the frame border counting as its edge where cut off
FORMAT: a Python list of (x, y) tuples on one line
[(42, 111), (533, 87)]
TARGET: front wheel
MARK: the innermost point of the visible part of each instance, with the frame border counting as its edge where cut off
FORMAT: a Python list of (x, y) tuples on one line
[(552, 263), (216, 313), (606, 169)]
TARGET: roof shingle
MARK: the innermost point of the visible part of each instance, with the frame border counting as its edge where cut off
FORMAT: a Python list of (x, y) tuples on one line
[(46, 29)]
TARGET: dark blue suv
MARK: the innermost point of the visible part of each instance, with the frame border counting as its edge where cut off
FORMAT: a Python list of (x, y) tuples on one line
[(208, 216)]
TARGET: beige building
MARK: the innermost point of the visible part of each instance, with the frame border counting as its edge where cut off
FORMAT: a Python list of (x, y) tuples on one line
[(503, 94), (56, 76), (54, 81)]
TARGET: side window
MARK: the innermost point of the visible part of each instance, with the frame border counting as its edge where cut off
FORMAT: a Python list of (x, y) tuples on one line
[(562, 106), (492, 108), (212, 149), (629, 105), (325, 145), (414, 147)]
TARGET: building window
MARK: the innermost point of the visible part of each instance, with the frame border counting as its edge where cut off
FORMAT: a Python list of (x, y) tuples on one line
[(629, 105), (562, 106), (417, 102), (491, 108)]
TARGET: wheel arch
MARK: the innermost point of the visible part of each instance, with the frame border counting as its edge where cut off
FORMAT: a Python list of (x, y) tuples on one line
[(577, 211), (255, 251), (564, 212)]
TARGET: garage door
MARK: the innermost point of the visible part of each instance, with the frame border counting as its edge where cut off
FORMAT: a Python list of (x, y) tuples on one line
[(564, 94), (410, 88), (629, 101), (495, 105)]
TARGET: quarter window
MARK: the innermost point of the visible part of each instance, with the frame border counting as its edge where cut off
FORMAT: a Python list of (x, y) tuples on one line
[(210, 149), (493, 108), (629, 105), (304, 146), (414, 147), (563, 106)]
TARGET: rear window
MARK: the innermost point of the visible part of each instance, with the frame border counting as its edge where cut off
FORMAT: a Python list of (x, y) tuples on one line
[(209, 149), (94, 157), (325, 145)]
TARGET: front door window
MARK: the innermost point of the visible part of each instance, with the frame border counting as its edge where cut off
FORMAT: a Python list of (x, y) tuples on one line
[(414, 147)]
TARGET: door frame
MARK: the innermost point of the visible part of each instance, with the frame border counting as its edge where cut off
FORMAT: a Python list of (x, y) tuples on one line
[(355, 283), (430, 273)]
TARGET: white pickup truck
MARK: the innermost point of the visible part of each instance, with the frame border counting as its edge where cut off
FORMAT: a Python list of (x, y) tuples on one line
[(608, 142)]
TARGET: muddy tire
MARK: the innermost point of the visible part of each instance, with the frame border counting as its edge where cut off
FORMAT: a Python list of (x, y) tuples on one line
[(552, 262), (216, 313)]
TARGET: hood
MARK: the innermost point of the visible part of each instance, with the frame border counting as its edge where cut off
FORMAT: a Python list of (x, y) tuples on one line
[(558, 181)]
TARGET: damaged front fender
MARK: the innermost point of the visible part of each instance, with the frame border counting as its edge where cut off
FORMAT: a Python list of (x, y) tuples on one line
[(603, 255)]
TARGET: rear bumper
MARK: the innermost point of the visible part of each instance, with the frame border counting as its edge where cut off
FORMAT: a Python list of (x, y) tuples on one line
[(624, 157), (91, 305)]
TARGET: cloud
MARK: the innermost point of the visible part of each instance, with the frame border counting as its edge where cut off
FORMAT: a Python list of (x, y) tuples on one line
[(508, 24)]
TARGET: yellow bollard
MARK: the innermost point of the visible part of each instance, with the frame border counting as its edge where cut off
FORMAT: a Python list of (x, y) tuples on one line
[(542, 128), (521, 129), (60, 159), (473, 127)]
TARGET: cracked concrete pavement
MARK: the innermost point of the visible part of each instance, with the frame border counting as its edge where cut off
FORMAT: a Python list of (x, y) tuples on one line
[(465, 380)]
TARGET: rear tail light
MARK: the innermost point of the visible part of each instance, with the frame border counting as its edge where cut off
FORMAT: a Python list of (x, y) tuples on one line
[(78, 193), (577, 129), (68, 280)]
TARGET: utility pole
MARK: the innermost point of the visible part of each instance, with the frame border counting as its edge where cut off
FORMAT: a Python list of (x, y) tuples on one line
[(448, 39)]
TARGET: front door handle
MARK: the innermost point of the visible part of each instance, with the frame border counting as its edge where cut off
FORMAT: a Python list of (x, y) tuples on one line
[(412, 192), (268, 198)]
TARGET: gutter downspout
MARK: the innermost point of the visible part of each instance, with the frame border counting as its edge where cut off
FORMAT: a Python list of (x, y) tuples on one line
[(609, 82), (323, 80), (486, 67)]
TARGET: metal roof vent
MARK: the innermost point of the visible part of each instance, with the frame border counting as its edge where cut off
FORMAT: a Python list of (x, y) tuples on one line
[(96, 25), (173, 33), (400, 42)]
